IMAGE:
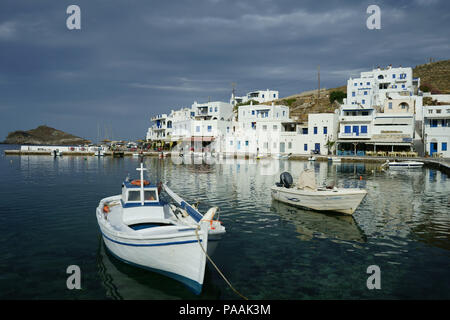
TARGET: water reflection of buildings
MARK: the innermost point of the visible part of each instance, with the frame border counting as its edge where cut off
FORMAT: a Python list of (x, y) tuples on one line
[(311, 224)]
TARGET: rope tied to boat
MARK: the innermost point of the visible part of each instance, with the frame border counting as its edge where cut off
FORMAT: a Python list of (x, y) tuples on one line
[(216, 267)]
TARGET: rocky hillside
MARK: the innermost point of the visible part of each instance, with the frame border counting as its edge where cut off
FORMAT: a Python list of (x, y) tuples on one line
[(434, 74), (44, 135)]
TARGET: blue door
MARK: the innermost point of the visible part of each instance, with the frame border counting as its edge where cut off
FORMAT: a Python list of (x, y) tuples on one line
[(433, 148), (317, 147), (356, 130)]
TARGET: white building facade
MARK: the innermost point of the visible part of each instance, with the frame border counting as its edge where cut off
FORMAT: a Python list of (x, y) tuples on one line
[(260, 96), (437, 130)]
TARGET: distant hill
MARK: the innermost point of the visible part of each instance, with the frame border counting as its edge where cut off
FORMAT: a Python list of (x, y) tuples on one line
[(44, 135), (434, 74)]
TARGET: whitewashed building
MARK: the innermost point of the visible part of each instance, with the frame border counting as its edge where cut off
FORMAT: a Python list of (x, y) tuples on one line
[(373, 87), (437, 130), (260, 96), (268, 129)]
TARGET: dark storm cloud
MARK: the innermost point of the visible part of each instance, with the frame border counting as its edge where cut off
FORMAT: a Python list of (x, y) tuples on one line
[(133, 59)]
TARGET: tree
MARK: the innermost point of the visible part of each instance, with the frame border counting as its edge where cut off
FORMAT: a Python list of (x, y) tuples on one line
[(329, 144), (337, 96)]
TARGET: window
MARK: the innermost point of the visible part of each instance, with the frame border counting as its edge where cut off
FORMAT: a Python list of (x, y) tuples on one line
[(363, 129), (365, 113), (197, 129), (209, 128), (192, 114), (264, 128), (393, 76), (134, 196), (210, 109), (315, 130), (355, 84), (215, 109), (438, 110), (305, 147), (390, 105), (275, 127), (433, 123), (365, 93), (363, 101), (290, 145), (353, 93), (368, 83), (284, 112), (347, 129), (274, 95), (228, 129), (403, 86), (304, 130), (246, 143), (444, 146), (263, 96), (325, 130), (253, 112), (150, 195)]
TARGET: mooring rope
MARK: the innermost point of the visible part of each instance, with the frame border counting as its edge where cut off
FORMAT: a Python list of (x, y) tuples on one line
[(217, 268)]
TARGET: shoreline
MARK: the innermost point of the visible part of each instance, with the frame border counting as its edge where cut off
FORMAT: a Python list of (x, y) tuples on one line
[(442, 164)]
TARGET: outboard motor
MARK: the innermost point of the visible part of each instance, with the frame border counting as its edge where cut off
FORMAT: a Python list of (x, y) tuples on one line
[(286, 180)]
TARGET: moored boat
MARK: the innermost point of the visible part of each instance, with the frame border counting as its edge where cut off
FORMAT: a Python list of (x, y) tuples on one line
[(403, 164), (140, 228), (307, 195)]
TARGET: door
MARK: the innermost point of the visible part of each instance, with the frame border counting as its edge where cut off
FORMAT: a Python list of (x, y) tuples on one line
[(282, 147), (317, 148), (356, 130), (433, 148)]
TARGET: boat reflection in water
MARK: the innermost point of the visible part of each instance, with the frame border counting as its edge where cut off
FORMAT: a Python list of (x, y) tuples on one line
[(311, 224)]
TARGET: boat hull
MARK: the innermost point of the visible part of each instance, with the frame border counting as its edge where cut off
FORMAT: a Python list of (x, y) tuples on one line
[(343, 201), (178, 256), (405, 165)]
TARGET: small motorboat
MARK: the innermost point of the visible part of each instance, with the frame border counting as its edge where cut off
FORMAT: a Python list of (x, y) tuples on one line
[(312, 158), (140, 228), (402, 164), (334, 159), (307, 195), (57, 153), (281, 156)]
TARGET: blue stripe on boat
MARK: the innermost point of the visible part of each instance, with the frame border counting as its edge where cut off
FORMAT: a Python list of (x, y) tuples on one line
[(192, 212), (149, 245)]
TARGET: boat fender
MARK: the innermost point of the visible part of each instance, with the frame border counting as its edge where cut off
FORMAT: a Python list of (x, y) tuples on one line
[(209, 215), (105, 208)]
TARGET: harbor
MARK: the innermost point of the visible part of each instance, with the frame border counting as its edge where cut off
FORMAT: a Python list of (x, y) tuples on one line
[(401, 226)]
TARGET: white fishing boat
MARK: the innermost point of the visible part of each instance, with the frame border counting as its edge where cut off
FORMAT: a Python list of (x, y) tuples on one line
[(99, 152), (306, 194), (334, 159), (57, 153), (281, 156), (142, 229), (403, 164), (312, 158)]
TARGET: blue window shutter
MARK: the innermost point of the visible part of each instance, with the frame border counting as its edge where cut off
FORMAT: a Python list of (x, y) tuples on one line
[(444, 146), (305, 147), (348, 129), (315, 130)]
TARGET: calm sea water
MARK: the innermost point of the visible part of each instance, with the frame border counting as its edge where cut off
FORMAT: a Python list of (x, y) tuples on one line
[(270, 251)]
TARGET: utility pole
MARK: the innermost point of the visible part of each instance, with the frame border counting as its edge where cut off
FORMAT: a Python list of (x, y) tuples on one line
[(318, 89)]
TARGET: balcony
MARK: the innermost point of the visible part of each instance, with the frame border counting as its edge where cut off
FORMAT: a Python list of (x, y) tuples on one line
[(354, 135), (355, 118)]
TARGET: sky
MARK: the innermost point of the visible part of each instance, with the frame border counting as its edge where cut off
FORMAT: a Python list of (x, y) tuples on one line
[(134, 59)]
